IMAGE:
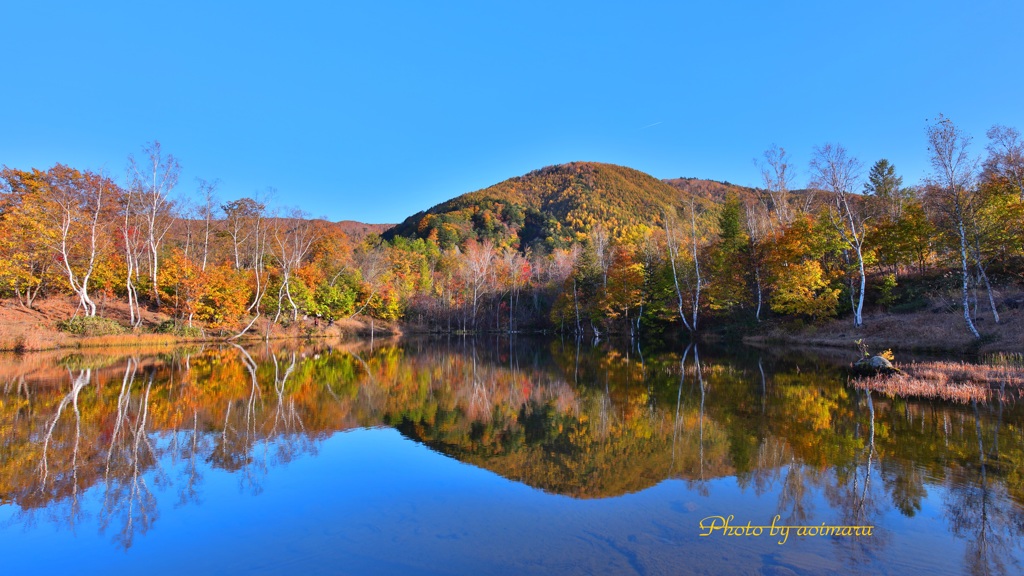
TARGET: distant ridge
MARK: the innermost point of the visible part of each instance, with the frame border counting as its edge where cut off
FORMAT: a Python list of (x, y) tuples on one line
[(359, 230), (712, 190)]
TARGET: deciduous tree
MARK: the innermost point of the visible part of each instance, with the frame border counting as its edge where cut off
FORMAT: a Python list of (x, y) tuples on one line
[(953, 179), (26, 242), (837, 173), (153, 178), (777, 174), (689, 279), (1006, 156), (76, 202)]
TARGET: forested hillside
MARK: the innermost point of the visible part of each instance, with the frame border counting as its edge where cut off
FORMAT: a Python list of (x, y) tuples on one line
[(552, 207)]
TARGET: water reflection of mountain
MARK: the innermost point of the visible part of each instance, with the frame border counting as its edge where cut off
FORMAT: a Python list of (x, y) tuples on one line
[(586, 423), (567, 419)]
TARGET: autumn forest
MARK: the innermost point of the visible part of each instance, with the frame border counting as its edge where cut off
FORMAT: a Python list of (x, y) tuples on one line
[(583, 248)]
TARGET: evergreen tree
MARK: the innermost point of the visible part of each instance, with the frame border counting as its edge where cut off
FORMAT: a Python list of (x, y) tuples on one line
[(729, 259), (887, 189)]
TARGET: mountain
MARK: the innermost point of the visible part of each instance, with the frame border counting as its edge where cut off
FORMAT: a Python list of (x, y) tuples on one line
[(554, 205)]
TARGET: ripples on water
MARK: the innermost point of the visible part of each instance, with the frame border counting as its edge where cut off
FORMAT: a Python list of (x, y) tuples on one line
[(491, 456)]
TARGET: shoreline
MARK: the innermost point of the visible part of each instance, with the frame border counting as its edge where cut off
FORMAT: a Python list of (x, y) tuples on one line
[(24, 330), (935, 359), (923, 332)]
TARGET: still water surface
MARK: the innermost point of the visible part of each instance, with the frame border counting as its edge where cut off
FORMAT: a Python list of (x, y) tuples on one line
[(496, 457)]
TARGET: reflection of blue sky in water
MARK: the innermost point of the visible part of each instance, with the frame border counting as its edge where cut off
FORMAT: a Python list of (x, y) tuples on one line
[(371, 501), (273, 488)]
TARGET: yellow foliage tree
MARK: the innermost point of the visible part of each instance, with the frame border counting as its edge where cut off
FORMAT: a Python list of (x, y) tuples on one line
[(26, 254), (803, 289)]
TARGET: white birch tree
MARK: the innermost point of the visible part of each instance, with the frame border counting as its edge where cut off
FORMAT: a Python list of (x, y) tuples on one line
[(777, 174), (153, 178), (953, 175), (838, 174), (292, 242), (674, 239), (78, 200)]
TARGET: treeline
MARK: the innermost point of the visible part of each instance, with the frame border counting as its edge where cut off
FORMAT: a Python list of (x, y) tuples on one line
[(846, 241)]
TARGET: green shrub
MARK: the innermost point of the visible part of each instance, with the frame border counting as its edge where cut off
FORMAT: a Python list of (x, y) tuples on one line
[(91, 326), (1005, 359), (176, 328), (887, 290), (915, 305)]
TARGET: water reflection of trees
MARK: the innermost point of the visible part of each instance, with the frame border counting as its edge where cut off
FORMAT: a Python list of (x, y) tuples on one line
[(129, 504), (977, 511), (571, 419)]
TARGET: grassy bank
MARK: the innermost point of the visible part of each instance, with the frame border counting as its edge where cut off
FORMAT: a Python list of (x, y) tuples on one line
[(932, 330), (46, 327)]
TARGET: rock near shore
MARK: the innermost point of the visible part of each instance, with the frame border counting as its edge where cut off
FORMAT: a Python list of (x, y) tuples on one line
[(873, 366)]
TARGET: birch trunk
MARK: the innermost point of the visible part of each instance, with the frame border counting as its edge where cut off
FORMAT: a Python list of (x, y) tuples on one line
[(963, 270)]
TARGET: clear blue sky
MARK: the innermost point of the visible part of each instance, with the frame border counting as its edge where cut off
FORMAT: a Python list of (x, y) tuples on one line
[(375, 110)]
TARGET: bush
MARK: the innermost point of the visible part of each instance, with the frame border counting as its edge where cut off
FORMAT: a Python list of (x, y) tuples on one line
[(911, 306), (175, 328), (887, 290), (91, 326), (1005, 359)]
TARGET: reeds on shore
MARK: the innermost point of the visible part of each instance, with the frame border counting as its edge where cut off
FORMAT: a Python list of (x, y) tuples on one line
[(26, 342), (40, 341), (953, 381)]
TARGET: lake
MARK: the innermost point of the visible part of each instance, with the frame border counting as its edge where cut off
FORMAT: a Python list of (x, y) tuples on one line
[(494, 456)]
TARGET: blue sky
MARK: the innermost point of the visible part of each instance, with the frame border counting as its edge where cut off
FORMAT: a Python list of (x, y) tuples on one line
[(374, 110)]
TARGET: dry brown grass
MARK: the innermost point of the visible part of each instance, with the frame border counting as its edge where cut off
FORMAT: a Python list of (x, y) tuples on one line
[(131, 340), (27, 341), (31, 330), (924, 331), (954, 381)]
